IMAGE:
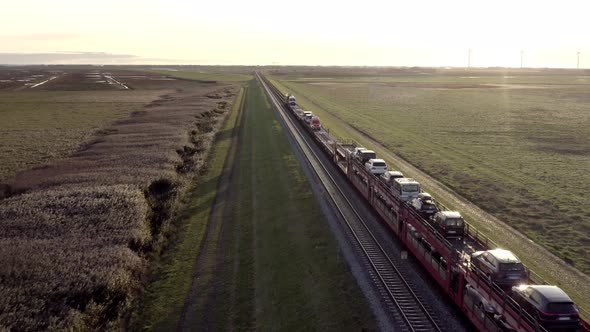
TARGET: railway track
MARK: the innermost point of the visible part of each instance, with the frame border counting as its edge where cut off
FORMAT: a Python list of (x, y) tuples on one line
[(409, 312)]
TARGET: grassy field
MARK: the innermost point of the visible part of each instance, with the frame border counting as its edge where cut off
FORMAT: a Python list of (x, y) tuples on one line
[(75, 234), (516, 145), (207, 73), (39, 127), (259, 255)]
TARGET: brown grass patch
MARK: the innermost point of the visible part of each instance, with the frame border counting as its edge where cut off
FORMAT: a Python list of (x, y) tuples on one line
[(73, 234)]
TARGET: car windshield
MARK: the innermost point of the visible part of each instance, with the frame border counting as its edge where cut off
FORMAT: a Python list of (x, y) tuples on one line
[(428, 206), (561, 307), (511, 267), (411, 188), (454, 222), (378, 164)]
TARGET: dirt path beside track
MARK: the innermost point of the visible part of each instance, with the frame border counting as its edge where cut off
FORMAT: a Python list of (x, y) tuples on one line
[(201, 302)]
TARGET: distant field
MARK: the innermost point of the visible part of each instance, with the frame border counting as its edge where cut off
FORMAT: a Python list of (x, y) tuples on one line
[(41, 126), (205, 73), (516, 144), (48, 112)]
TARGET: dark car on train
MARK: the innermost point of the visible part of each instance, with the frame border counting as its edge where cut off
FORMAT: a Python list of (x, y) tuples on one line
[(500, 266), (549, 305), (450, 224), (424, 204)]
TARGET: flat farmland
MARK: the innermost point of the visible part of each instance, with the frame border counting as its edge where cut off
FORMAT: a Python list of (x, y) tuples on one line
[(207, 73), (50, 113), (42, 126), (516, 144), (91, 173)]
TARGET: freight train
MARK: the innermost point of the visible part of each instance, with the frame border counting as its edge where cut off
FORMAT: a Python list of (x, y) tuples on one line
[(491, 305)]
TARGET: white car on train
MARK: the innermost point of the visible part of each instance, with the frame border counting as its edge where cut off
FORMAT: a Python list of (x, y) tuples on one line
[(376, 166), (405, 189)]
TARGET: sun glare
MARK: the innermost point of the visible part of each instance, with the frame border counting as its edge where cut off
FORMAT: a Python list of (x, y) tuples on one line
[(369, 33)]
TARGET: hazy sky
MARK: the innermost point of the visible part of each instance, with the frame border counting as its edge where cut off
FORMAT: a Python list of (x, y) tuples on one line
[(306, 32)]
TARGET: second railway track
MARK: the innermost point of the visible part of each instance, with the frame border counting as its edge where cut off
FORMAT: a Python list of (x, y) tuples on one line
[(409, 313)]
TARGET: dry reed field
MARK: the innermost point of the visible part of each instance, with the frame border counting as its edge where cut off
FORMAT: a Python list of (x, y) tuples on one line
[(75, 234)]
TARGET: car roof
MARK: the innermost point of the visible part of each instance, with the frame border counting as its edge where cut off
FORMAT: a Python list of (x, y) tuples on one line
[(376, 160), (391, 173), (368, 151), (405, 180), (504, 256), (450, 214), (552, 293)]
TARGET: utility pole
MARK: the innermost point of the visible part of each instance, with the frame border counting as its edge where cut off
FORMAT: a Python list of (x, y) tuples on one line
[(578, 65), (521, 58), (469, 58)]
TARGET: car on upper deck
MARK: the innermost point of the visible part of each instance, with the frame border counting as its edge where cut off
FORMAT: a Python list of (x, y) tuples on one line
[(549, 305), (376, 166), (315, 123), (389, 176), (405, 189), (450, 223), (364, 155), (500, 266), (290, 100), (424, 204)]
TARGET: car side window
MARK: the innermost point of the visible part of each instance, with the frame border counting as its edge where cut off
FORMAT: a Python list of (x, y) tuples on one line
[(486, 257), (494, 261), (535, 297)]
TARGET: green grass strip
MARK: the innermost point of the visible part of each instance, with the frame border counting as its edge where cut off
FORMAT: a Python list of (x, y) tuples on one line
[(294, 281), (164, 298)]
